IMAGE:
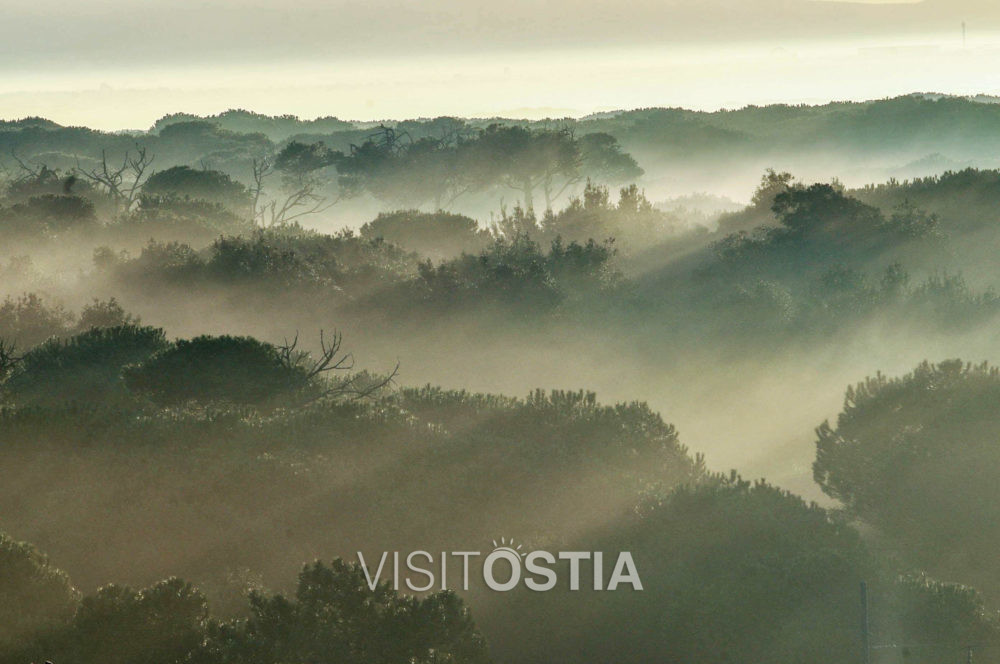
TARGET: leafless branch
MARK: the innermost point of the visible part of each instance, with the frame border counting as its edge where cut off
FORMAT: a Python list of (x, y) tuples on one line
[(122, 183), (261, 169), (29, 172), (332, 359), (360, 393), (296, 205), (300, 203)]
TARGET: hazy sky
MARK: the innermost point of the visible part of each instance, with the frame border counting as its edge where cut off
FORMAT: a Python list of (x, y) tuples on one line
[(123, 63)]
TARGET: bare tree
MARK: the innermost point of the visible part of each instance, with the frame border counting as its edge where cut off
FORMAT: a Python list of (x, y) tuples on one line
[(40, 174), (123, 183), (332, 358), (262, 168), (299, 203)]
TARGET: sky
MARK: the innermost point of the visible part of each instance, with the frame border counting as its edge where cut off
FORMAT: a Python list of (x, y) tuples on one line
[(121, 64)]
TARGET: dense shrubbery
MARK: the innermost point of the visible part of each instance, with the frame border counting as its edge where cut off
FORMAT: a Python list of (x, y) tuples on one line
[(34, 595), (917, 457), (370, 274), (332, 617), (218, 455), (272, 260), (45, 216), (516, 272), (830, 262), (841, 296), (336, 617), (434, 235), (819, 225), (172, 217), (737, 572), (27, 321), (633, 221), (186, 183), (85, 368), (963, 200), (239, 370), (475, 464)]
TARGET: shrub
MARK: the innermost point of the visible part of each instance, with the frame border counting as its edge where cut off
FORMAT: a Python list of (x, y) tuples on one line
[(34, 595), (207, 369), (85, 368)]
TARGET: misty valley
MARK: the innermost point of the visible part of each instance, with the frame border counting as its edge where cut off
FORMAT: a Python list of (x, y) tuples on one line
[(262, 377)]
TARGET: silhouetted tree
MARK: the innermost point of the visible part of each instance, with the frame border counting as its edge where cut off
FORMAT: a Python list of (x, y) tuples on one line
[(35, 597), (123, 184), (207, 185), (335, 617), (917, 457), (526, 160), (85, 368)]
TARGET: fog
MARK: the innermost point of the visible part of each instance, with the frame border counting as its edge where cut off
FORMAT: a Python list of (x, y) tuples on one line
[(132, 63), (581, 332)]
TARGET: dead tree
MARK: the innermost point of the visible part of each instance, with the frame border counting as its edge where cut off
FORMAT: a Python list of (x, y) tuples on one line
[(40, 175), (332, 359), (300, 203), (123, 183), (261, 169)]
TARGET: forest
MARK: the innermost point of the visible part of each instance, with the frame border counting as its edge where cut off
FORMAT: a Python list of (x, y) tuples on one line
[(756, 348)]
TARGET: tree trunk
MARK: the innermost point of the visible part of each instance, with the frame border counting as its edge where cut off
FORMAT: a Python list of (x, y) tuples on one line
[(529, 198)]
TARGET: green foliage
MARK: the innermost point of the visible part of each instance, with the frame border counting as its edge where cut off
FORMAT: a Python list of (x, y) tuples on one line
[(412, 164), (300, 159), (34, 596), (336, 617), (27, 320), (278, 127), (172, 215), (821, 224), (561, 425), (632, 222), (161, 624), (45, 215), (840, 297), (108, 313), (205, 185), (257, 260), (735, 571), (266, 263), (394, 167), (435, 235), (456, 465), (960, 201), (85, 368), (206, 369), (515, 272), (917, 457), (160, 264), (772, 184), (526, 160), (603, 159), (824, 208)]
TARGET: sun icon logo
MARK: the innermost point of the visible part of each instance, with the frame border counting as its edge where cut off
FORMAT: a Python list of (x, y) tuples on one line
[(508, 545)]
